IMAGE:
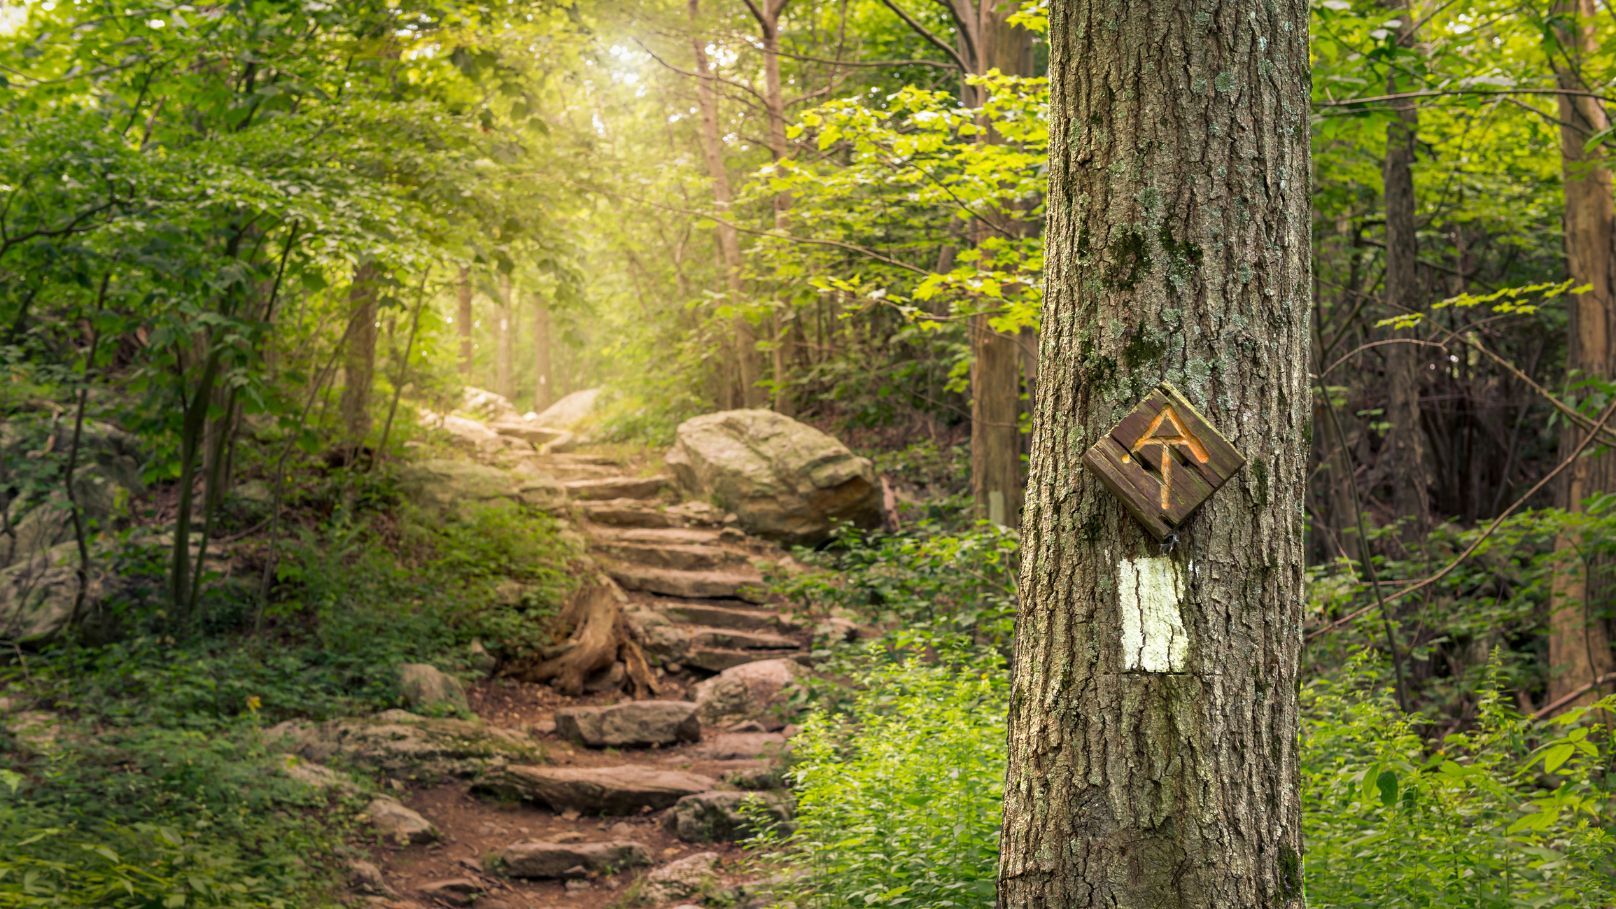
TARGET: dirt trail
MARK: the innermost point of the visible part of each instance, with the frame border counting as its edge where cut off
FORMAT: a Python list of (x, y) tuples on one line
[(692, 584)]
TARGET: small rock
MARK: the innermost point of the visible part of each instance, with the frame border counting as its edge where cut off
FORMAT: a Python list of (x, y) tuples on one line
[(555, 860), (392, 820), (457, 891), (630, 724), (576, 884), (718, 817), (682, 879), (425, 687), (315, 776), (366, 879), (609, 679), (480, 659)]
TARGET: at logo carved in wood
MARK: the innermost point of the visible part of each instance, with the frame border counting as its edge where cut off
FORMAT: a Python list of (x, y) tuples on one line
[(1163, 460)]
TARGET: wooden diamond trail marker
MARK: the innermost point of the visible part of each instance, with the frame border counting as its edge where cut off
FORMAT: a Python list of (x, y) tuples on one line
[(1163, 460)]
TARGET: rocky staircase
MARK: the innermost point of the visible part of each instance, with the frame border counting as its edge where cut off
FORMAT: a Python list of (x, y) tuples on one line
[(623, 785)]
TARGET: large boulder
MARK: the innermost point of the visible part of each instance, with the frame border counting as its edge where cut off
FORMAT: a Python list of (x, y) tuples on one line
[(783, 479), (37, 594), (759, 691), (450, 486), (571, 412)]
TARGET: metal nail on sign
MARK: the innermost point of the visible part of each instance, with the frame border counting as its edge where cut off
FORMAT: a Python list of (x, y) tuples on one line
[(1163, 460)]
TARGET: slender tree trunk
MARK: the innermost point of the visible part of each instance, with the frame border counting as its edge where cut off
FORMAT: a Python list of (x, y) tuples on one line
[(505, 347), (1153, 721), (1405, 458), (987, 42), (782, 323), (543, 378), (463, 322), (1579, 639), (744, 380), (359, 360)]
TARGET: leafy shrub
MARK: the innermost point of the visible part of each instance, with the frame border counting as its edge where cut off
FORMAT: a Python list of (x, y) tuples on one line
[(149, 817), (899, 797), (1509, 814), (928, 583)]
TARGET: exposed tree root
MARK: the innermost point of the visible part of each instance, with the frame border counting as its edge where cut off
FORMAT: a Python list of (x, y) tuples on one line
[(598, 635)]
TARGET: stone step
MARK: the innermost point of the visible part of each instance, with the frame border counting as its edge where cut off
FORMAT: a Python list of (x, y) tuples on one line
[(716, 615), (621, 790), (666, 536), (718, 659), (733, 639), (696, 557), (733, 584), (544, 860), (607, 488), (629, 724), (641, 514)]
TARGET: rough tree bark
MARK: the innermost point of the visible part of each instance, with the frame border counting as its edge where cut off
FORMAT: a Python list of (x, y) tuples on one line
[(463, 321), (1579, 639), (1405, 459), (543, 370), (744, 390), (359, 359), (1161, 773)]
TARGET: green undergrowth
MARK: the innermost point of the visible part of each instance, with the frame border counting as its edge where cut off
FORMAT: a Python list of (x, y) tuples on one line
[(155, 786), (899, 767)]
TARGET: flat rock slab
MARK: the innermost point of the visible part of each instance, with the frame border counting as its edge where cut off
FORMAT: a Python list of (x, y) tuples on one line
[(668, 536), (616, 488), (630, 724), (715, 615), (740, 640), (537, 859), (680, 557), (734, 584), (596, 790), (722, 659)]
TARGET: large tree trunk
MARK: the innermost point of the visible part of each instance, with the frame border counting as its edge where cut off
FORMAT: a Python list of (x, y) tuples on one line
[(1579, 641), (1405, 458), (543, 370), (463, 322), (1161, 773), (744, 390), (359, 360)]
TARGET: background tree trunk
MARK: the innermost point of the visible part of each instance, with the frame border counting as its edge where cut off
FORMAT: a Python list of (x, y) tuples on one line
[(505, 345), (784, 349), (1165, 777), (745, 391), (543, 371), (1579, 640), (359, 359), (463, 322), (1406, 461)]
